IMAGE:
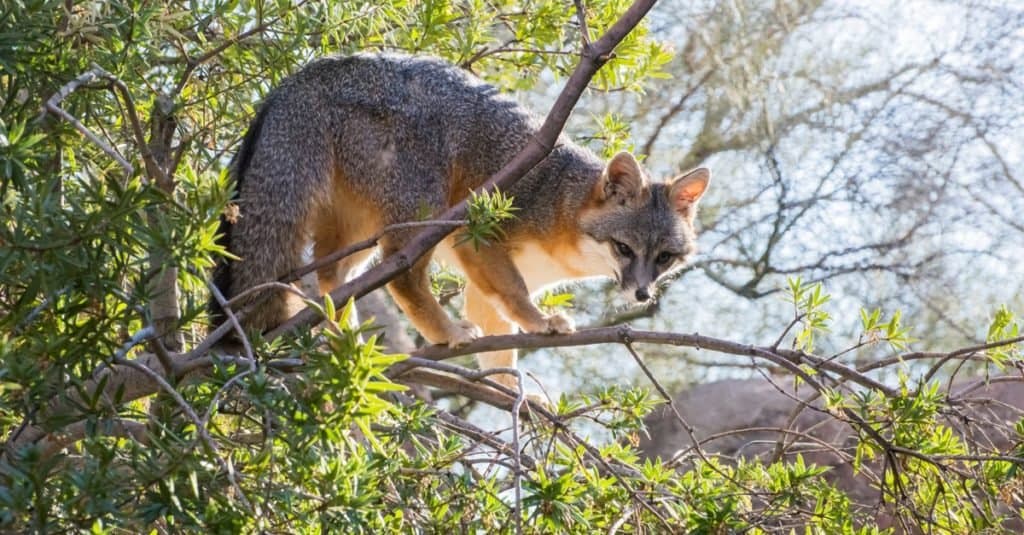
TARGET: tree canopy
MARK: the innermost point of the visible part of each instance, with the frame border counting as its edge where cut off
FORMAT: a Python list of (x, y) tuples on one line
[(118, 121)]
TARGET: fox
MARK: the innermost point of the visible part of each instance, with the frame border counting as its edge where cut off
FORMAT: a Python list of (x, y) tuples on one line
[(349, 145)]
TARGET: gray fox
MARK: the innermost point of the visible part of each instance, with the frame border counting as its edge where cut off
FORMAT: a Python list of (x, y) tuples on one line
[(349, 145)]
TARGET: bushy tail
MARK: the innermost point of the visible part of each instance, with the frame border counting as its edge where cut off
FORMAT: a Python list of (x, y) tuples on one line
[(222, 278)]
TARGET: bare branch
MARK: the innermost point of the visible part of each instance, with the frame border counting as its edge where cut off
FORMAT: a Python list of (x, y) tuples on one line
[(349, 250), (52, 105), (624, 334)]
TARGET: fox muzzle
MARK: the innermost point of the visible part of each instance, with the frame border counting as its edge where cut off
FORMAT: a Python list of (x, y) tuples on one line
[(638, 277)]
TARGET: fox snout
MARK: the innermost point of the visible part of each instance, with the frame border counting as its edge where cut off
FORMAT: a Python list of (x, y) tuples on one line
[(638, 280)]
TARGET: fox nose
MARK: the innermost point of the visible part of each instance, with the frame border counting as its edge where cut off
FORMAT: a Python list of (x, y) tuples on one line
[(642, 294)]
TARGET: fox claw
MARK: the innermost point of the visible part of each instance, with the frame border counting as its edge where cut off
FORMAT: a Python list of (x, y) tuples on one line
[(461, 333), (559, 324)]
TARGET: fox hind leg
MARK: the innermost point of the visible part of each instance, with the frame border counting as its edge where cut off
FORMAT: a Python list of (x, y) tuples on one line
[(337, 273), (482, 312)]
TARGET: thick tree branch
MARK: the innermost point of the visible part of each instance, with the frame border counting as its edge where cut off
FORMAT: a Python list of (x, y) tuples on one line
[(623, 334)]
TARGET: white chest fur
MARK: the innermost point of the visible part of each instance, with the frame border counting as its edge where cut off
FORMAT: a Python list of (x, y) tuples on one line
[(541, 268)]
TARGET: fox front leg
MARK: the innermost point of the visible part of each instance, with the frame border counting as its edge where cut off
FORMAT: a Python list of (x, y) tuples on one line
[(494, 275), (497, 299), (411, 291), (483, 313)]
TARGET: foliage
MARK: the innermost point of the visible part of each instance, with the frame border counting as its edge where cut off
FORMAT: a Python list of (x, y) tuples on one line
[(808, 303), (309, 433), (487, 210), (1004, 327), (551, 301)]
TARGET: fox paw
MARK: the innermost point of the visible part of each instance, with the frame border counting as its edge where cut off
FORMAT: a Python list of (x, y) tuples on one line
[(461, 333), (511, 382), (507, 380), (539, 400), (558, 324)]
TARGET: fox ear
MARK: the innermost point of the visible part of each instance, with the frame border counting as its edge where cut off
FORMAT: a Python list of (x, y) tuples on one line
[(623, 180), (685, 190)]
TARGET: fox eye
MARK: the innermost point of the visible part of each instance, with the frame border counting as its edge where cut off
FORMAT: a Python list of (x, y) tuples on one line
[(622, 249), (664, 258)]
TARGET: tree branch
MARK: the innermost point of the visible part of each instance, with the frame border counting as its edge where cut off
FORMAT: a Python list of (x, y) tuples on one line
[(624, 334), (52, 105)]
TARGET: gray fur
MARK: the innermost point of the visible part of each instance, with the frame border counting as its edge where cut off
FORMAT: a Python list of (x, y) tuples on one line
[(648, 230), (400, 129)]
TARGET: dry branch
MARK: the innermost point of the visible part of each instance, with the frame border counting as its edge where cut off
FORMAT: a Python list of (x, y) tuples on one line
[(52, 105)]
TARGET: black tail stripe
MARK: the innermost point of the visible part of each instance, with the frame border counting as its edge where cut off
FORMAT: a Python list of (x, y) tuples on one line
[(239, 166)]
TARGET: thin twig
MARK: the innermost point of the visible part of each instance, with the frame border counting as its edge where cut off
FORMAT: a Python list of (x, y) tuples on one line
[(110, 151), (201, 430), (96, 73), (233, 319), (473, 432), (668, 400), (944, 358), (581, 17)]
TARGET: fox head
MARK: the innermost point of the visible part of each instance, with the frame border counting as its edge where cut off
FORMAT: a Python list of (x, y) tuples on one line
[(642, 230)]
